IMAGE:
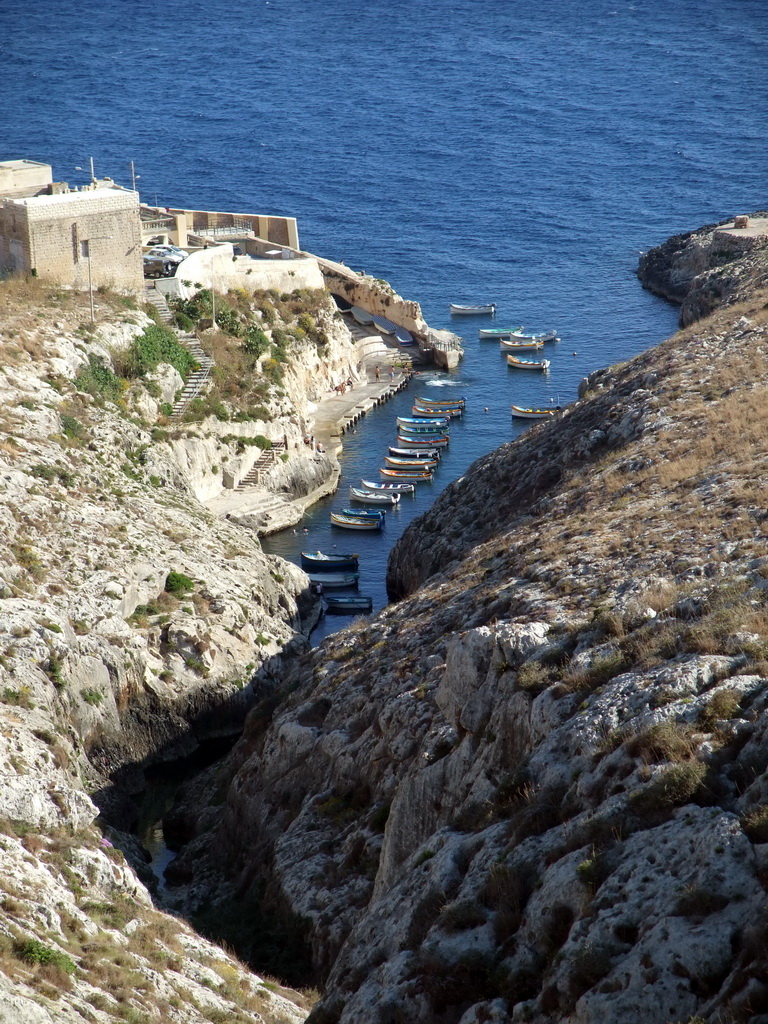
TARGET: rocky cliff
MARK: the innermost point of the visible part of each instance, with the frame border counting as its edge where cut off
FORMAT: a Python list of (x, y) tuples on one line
[(133, 625), (704, 269), (534, 789)]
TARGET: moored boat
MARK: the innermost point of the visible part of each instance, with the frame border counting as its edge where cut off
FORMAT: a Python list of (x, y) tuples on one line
[(523, 413), (363, 317), (348, 605), (365, 513), (528, 364), (319, 561), (422, 423), (415, 453), (459, 310), (406, 474), (334, 580), (370, 485), (384, 325), (373, 497), (400, 463), (496, 333), (355, 522), (423, 440), (517, 345), (448, 411), (460, 402), (521, 335)]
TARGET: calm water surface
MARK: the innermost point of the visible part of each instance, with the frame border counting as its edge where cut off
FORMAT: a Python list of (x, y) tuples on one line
[(484, 150)]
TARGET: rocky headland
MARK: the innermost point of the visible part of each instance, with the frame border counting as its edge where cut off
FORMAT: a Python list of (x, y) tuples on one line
[(533, 789)]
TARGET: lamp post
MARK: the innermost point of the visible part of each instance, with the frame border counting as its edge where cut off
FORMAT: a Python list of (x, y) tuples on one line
[(86, 250)]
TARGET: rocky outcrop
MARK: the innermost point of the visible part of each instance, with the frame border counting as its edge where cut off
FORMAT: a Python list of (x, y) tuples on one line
[(705, 269), (133, 624), (533, 789)]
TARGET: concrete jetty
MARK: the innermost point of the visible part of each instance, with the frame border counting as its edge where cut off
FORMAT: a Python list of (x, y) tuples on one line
[(264, 511)]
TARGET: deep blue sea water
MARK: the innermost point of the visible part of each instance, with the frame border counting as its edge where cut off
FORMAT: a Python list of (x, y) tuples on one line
[(484, 150)]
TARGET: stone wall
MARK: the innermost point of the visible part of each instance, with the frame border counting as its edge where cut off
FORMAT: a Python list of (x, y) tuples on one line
[(46, 234), (240, 272)]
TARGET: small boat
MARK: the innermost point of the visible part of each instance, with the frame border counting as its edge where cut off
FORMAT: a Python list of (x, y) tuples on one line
[(334, 580), (423, 440), (355, 523), (496, 333), (418, 410), (516, 345), (458, 310), (521, 335), (528, 364), (373, 497), (384, 325), (318, 561), (423, 421), (416, 453), (363, 317), (423, 427), (391, 488), (519, 412), (406, 474), (348, 605), (398, 463), (447, 403), (404, 338), (364, 513)]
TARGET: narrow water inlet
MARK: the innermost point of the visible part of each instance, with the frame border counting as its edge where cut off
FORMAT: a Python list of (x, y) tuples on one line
[(157, 799)]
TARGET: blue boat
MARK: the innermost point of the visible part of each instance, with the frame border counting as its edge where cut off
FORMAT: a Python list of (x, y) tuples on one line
[(319, 561), (363, 513), (348, 605)]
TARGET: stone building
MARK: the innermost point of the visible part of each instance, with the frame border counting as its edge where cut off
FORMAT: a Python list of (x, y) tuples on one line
[(88, 237)]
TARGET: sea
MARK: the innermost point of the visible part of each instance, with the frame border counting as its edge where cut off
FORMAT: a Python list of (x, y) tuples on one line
[(466, 151)]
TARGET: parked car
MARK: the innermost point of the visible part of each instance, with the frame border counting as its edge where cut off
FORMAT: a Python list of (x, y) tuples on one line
[(159, 266), (168, 252)]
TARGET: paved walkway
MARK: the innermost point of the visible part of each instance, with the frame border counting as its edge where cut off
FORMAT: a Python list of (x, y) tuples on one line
[(265, 512)]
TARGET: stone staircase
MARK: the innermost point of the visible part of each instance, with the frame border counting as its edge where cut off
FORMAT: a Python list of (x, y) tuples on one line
[(198, 380), (267, 459)]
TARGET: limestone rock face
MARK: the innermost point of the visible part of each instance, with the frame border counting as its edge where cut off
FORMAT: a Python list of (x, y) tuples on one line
[(132, 626), (705, 269), (534, 788)]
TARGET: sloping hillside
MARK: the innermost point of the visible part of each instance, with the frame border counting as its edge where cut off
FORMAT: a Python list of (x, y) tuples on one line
[(534, 789)]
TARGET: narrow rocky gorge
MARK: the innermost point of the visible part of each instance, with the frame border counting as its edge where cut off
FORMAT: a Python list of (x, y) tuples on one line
[(533, 789)]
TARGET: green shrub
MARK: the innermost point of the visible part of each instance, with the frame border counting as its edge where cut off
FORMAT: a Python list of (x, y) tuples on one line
[(34, 952), (99, 381), (256, 343), (158, 344), (178, 584), (73, 428)]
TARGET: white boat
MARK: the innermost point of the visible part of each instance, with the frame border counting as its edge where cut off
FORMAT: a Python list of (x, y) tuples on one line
[(451, 411), (521, 335), (528, 364), (334, 580), (373, 497), (384, 325), (496, 333), (398, 463), (522, 413), (416, 453), (404, 338), (458, 310), (369, 485), (354, 523), (419, 423), (515, 346), (363, 317)]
